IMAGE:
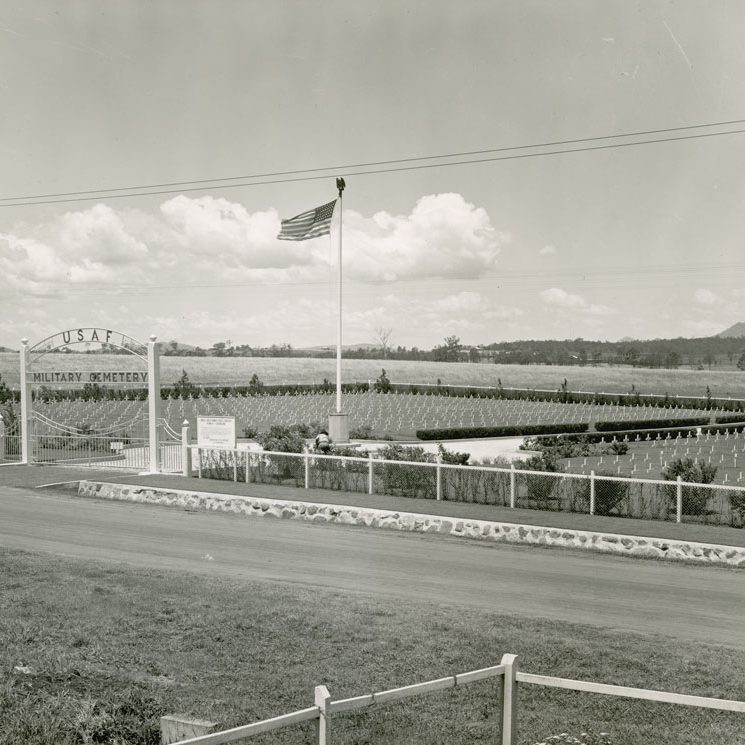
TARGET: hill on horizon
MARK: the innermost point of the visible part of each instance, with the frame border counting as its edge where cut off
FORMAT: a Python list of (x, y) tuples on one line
[(736, 330)]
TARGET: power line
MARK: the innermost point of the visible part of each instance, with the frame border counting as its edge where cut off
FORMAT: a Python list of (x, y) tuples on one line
[(282, 176), (619, 276)]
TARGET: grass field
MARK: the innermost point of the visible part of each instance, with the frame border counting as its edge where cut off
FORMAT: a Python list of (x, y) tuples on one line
[(98, 652), (238, 370)]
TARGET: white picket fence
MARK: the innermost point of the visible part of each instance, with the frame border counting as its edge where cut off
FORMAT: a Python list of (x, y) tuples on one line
[(324, 709)]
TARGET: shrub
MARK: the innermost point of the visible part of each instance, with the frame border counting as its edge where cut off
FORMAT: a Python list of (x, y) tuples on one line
[(452, 458), (282, 439), (541, 488), (695, 472), (609, 495)]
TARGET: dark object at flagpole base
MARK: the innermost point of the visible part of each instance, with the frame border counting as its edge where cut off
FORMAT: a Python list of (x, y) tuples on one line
[(340, 184)]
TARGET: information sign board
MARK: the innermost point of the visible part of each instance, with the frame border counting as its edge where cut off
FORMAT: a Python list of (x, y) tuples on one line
[(216, 432)]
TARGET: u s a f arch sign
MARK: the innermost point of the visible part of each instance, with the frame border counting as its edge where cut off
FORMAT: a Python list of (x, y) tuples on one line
[(93, 340)]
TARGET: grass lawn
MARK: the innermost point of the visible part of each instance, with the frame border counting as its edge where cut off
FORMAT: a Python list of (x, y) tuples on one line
[(238, 370), (98, 652)]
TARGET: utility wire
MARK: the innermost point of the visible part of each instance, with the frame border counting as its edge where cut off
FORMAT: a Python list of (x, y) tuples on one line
[(648, 276), (282, 175)]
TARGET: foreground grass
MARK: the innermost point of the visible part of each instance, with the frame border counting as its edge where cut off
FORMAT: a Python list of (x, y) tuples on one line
[(98, 652)]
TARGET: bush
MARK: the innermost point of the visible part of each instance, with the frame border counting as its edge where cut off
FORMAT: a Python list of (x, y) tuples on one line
[(541, 488), (695, 472), (609, 495), (281, 439)]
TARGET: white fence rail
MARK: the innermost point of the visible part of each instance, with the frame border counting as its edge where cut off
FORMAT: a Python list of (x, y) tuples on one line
[(512, 487), (324, 710)]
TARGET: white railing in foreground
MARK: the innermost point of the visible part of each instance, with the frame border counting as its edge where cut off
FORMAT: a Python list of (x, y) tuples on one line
[(325, 708)]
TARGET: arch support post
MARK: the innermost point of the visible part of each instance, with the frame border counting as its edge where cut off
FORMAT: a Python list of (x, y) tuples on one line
[(27, 406), (153, 403)]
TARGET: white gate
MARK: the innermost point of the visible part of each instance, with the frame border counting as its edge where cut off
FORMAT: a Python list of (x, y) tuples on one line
[(108, 422)]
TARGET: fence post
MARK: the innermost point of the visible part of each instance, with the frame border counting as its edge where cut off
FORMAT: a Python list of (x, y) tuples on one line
[(185, 452), (509, 700), (370, 473), (439, 477), (679, 500), (199, 462), (592, 492), (512, 485), (2, 438), (248, 467), (322, 698), (235, 465), (307, 470)]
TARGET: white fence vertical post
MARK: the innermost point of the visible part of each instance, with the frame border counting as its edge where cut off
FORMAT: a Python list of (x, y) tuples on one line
[(185, 451), (679, 500), (248, 467), (307, 467), (2, 438), (153, 402), (235, 465), (322, 699), (512, 485), (27, 406), (439, 477), (370, 473), (199, 462), (509, 700), (592, 492)]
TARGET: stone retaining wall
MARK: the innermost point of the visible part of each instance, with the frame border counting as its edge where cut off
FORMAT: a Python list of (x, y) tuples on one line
[(486, 530)]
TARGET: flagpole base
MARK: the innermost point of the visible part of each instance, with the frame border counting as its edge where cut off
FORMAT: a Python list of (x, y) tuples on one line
[(339, 428)]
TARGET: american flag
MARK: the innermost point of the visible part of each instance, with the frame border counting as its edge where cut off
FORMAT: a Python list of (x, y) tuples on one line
[(308, 224)]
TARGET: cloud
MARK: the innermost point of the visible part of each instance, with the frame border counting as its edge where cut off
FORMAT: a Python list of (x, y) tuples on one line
[(558, 298), (442, 236), (215, 240), (548, 250), (706, 297)]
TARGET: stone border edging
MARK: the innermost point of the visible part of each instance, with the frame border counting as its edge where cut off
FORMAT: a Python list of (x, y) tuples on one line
[(369, 517)]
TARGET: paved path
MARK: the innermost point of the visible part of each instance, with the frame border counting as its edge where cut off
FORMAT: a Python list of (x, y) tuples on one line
[(677, 600)]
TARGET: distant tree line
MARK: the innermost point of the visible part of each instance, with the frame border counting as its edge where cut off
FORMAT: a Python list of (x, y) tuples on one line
[(700, 353)]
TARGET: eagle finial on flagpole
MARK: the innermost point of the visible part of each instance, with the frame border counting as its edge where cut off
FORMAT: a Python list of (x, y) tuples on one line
[(340, 184)]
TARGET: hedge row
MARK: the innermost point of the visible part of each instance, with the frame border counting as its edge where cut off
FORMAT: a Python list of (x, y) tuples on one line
[(664, 401), (654, 433), (464, 433), (650, 424), (730, 419)]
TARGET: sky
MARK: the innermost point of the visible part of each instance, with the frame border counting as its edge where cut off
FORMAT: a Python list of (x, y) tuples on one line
[(636, 240)]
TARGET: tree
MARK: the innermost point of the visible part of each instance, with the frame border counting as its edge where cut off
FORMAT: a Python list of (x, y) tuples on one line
[(255, 385), (741, 362), (383, 335), (382, 384), (5, 393), (447, 352), (184, 388)]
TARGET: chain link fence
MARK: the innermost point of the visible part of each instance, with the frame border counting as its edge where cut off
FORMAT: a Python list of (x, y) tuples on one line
[(644, 499)]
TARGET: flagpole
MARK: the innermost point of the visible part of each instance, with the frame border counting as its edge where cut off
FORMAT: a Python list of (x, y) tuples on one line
[(340, 185)]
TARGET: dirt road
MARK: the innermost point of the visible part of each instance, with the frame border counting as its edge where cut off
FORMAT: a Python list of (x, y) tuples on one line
[(677, 600)]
